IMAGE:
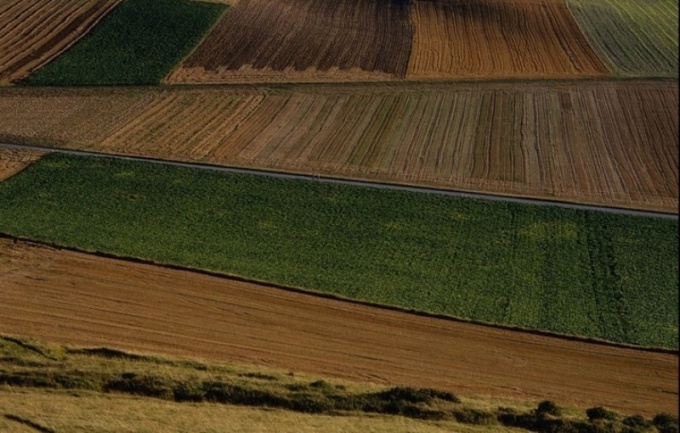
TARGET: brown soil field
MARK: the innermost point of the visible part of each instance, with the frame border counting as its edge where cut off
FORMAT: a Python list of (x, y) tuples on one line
[(13, 161), (303, 40), (34, 31), (81, 299), (498, 38), (604, 143)]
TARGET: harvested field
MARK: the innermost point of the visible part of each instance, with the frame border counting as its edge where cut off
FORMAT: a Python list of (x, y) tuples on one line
[(635, 38), (35, 31), (600, 143), (13, 161), (96, 301), (303, 40), (500, 39)]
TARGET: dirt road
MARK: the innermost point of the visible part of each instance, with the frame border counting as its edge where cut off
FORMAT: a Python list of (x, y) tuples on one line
[(81, 299)]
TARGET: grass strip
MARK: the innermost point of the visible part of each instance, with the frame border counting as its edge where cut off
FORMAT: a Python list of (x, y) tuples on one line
[(538, 267), (137, 43)]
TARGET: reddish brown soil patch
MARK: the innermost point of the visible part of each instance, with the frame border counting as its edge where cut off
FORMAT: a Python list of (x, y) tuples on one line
[(13, 161), (81, 299), (300, 40), (35, 31), (498, 38)]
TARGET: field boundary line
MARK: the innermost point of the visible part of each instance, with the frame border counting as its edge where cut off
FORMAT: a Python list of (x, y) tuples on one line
[(352, 182), (334, 297)]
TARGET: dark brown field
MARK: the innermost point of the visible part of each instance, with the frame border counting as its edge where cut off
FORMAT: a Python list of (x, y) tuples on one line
[(81, 299), (304, 40)]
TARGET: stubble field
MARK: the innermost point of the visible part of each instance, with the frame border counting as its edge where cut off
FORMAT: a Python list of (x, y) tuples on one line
[(35, 31), (605, 143), (498, 38), (13, 161)]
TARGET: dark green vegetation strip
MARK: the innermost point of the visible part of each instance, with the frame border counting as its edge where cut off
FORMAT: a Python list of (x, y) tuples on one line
[(104, 370), (636, 38), (600, 275), (137, 43)]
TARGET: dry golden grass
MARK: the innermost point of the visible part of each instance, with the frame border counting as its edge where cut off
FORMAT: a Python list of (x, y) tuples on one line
[(89, 412)]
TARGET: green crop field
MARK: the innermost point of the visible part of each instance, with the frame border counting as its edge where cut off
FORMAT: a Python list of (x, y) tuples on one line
[(635, 38), (575, 272), (137, 43)]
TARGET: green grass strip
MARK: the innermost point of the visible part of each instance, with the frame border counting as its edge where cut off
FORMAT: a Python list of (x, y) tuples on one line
[(139, 42), (586, 273), (635, 38)]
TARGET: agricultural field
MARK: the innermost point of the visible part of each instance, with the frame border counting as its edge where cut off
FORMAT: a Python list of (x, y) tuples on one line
[(600, 275), (13, 161), (604, 143), (33, 32), (498, 39), (634, 38), (303, 40), (137, 43), (86, 294)]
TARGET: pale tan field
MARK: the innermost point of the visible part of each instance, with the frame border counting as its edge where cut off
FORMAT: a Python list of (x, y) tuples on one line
[(33, 32), (13, 161), (84, 300), (605, 143), (498, 38)]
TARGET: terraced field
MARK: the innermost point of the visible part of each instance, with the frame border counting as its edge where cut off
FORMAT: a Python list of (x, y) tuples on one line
[(498, 38), (633, 37), (601, 142), (32, 32), (303, 40)]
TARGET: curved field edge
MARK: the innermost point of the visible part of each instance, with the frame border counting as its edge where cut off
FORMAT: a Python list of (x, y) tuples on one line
[(583, 273), (634, 38), (139, 42), (32, 37)]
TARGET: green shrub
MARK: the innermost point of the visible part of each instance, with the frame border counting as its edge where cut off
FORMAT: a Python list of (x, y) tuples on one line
[(666, 423), (597, 413)]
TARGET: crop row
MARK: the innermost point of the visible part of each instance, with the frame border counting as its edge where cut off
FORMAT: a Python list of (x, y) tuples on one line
[(604, 143)]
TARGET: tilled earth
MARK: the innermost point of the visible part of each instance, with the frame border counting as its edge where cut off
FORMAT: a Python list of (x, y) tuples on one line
[(81, 299)]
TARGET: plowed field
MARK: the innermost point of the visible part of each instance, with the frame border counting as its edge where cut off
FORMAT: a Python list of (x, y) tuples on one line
[(303, 40), (82, 299), (498, 38), (35, 31), (600, 143), (13, 161)]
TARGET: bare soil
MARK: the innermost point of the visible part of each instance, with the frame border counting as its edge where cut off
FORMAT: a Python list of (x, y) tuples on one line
[(303, 40), (35, 31), (81, 299)]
